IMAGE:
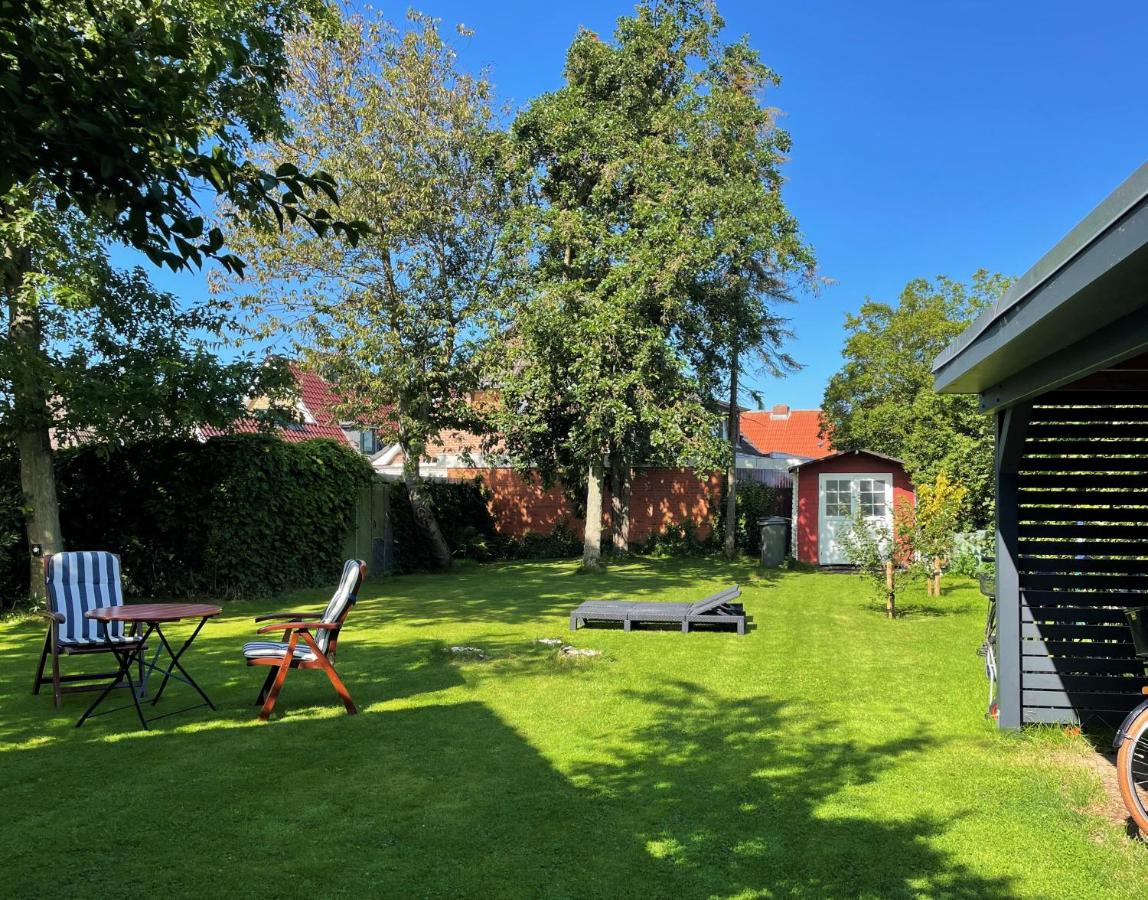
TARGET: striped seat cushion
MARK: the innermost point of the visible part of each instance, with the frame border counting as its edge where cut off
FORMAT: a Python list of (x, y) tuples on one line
[(79, 581), (276, 649), (344, 597)]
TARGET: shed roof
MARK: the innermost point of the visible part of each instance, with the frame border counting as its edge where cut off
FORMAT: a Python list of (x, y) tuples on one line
[(1081, 305), (840, 453)]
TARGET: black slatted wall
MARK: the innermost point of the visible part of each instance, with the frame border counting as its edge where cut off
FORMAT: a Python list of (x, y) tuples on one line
[(1083, 506)]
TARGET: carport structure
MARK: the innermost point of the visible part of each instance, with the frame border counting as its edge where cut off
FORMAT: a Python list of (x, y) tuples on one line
[(1061, 361)]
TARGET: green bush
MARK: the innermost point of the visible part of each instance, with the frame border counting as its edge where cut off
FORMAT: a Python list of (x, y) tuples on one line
[(235, 517), (463, 517), (754, 501)]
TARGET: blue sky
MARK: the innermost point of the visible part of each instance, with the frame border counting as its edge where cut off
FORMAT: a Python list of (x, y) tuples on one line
[(929, 138)]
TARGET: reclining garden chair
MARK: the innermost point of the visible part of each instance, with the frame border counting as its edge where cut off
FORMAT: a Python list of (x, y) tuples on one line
[(310, 641), (76, 582)]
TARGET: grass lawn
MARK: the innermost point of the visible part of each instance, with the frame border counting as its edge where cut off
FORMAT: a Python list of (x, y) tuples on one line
[(828, 753)]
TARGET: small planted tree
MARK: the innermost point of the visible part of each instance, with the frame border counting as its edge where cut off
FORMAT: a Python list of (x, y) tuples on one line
[(937, 516), (882, 555)]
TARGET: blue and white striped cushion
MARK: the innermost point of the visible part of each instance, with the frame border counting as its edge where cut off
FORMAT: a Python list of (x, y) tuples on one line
[(80, 581), (277, 649), (344, 595)]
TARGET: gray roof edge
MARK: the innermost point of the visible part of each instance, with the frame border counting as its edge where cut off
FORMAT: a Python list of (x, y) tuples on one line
[(860, 451), (1132, 191)]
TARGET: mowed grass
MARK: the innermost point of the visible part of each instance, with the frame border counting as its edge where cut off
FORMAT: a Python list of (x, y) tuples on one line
[(828, 753)]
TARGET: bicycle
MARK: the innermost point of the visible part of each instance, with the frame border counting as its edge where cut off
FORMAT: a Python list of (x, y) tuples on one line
[(1131, 741), (987, 649)]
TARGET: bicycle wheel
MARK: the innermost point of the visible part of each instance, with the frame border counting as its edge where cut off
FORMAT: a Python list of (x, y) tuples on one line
[(1132, 771)]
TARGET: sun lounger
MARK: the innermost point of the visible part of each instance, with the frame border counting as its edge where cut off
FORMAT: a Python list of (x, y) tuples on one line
[(717, 609)]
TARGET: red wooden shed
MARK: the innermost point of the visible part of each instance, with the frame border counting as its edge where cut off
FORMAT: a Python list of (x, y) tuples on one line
[(829, 492)]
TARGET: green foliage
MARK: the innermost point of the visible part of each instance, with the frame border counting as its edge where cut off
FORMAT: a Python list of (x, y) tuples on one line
[(681, 539), (970, 552), (882, 555), (937, 514), (127, 108), (883, 398), (235, 517), (755, 501), (464, 517)]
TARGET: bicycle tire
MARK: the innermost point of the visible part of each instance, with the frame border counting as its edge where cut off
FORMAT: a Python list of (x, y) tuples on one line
[(1132, 771)]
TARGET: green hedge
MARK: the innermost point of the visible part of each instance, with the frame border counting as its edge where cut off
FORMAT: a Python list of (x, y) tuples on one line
[(235, 517)]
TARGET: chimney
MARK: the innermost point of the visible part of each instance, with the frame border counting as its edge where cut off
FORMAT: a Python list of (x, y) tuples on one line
[(781, 411)]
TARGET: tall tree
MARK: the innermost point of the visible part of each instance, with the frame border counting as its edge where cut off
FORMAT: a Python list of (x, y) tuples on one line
[(883, 398), (125, 114), (630, 209), (96, 353), (395, 321)]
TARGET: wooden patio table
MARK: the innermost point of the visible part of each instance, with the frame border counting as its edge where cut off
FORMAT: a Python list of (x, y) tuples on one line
[(149, 617)]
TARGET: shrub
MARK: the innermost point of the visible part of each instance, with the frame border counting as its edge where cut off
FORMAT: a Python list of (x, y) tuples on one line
[(235, 517), (463, 517), (754, 501)]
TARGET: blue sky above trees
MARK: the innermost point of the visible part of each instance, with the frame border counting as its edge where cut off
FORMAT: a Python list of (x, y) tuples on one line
[(928, 138)]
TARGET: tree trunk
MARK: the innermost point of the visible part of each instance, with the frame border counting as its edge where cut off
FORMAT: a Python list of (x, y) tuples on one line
[(32, 420), (890, 592), (734, 428), (938, 564), (620, 507), (592, 539), (424, 515)]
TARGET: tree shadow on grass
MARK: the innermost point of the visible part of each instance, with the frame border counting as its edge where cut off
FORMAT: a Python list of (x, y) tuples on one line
[(709, 798)]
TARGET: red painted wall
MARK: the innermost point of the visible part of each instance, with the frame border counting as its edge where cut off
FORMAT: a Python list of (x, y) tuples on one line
[(658, 498), (808, 501)]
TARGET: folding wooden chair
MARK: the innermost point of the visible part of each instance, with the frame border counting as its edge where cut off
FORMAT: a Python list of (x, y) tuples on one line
[(310, 642), (76, 582)]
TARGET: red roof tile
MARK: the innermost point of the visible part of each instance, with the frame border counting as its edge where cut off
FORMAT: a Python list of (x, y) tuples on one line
[(796, 432), (293, 434)]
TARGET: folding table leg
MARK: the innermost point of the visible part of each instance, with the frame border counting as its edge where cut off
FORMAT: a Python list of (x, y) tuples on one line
[(176, 664)]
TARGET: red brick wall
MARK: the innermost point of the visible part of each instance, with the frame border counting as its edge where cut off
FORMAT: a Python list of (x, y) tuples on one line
[(658, 498), (808, 501)]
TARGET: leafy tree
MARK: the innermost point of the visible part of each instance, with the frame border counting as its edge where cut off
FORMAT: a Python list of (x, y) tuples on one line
[(121, 116), (394, 322), (124, 108), (936, 520), (655, 206), (97, 354), (883, 399), (883, 556)]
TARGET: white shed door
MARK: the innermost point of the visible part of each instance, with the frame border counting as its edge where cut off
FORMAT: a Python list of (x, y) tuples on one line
[(842, 496)]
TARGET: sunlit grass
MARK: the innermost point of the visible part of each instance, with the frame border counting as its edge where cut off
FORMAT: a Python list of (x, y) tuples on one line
[(828, 753)]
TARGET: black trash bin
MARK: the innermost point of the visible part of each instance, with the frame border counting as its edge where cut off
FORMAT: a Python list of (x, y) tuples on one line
[(774, 540)]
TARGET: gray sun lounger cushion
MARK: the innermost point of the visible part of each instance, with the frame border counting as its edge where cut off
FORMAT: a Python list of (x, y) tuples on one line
[(716, 609)]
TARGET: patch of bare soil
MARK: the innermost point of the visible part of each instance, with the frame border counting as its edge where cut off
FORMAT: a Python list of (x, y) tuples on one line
[(1110, 806)]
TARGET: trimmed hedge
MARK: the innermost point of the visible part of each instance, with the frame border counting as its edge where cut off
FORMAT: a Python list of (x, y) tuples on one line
[(236, 517)]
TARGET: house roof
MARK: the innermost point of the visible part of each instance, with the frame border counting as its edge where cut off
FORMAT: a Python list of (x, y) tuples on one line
[(292, 433), (840, 453), (793, 432), (1077, 310)]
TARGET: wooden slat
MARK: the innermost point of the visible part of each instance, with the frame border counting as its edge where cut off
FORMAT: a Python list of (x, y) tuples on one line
[(1095, 396), (1082, 598), (1101, 414), (1078, 649), (1091, 532), (1062, 716), (1091, 514), (1085, 464), (1087, 430), (1056, 480), (1073, 497), (1098, 445), (1088, 564), (1070, 582), (1091, 615), (1082, 701), (1052, 681), (1082, 665), (1073, 631), (1090, 547)]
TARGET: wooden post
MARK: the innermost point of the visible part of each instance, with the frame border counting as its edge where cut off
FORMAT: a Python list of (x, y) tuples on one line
[(890, 590), (1012, 423)]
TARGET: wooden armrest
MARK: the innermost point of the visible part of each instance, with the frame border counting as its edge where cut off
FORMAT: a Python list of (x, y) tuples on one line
[(56, 617), (297, 616), (298, 626)]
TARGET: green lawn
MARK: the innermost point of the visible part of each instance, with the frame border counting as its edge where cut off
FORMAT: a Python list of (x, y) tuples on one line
[(828, 753)]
